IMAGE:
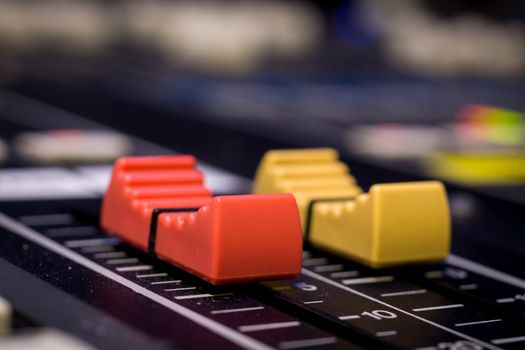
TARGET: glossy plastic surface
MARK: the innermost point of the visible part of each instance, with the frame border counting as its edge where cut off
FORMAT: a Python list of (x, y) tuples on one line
[(308, 174), (392, 224), (229, 239)]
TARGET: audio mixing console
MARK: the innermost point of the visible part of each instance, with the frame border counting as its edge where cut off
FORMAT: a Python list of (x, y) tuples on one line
[(60, 270)]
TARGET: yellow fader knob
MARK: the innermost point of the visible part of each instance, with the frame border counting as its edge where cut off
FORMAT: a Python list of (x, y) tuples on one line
[(392, 224)]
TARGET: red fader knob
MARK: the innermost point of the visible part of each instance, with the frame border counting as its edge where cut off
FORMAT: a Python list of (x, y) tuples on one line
[(160, 205)]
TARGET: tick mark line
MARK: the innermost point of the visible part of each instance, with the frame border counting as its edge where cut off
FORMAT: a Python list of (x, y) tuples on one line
[(266, 326), (43, 220), (366, 280), (134, 268), (407, 292), (344, 274), (109, 255), (91, 242), (349, 317), (440, 307), (468, 286), (304, 343), (478, 322), (505, 300), (166, 282), (314, 261), (147, 275), (182, 288), (122, 261), (97, 249), (72, 231), (243, 309), (386, 333), (198, 296), (507, 340), (328, 268)]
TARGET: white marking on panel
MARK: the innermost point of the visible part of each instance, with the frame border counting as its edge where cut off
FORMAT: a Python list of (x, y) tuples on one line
[(134, 268), (45, 220), (367, 280), (439, 307), (407, 292), (306, 343), (477, 322), (243, 309), (267, 326), (508, 340)]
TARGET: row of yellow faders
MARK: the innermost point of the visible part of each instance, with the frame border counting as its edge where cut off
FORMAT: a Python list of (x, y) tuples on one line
[(392, 224)]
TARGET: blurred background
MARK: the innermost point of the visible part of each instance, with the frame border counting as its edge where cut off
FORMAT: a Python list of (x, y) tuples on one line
[(424, 88)]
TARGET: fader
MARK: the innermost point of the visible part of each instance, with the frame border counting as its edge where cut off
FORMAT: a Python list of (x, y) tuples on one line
[(225, 239), (392, 224)]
